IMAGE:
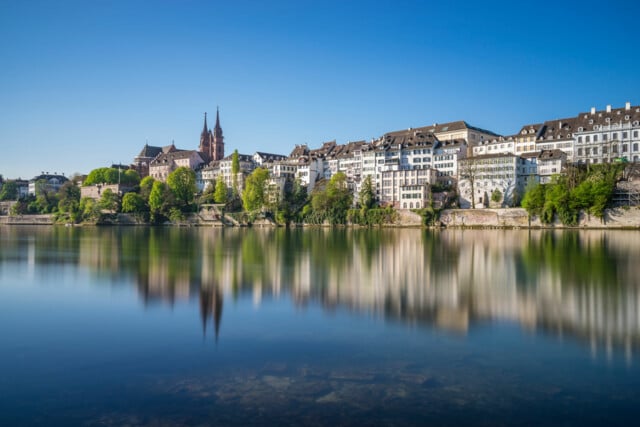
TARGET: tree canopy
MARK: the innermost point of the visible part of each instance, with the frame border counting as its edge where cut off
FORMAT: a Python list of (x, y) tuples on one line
[(182, 183)]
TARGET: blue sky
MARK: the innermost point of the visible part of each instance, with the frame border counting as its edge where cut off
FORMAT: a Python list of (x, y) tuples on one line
[(87, 83)]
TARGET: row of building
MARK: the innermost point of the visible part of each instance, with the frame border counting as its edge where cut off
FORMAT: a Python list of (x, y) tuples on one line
[(404, 165)]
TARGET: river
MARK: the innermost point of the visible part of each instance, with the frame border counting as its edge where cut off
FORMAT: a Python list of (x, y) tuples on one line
[(146, 326)]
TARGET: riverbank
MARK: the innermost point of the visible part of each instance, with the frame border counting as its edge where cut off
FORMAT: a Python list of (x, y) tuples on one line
[(618, 218)]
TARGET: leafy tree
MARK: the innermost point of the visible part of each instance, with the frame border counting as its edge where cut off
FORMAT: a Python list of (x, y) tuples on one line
[(235, 170), (89, 209), (533, 200), (221, 193), (9, 191), (130, 177), (159, 200), (69, 198), (102, 176), (496, 196), (109, 200), (182, 183), (145, 187), (367, 195), (332, 202), (133, 203), (254, 193), (46, 199)]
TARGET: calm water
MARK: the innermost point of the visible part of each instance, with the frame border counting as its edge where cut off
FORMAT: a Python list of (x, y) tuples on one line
[(154, 327)]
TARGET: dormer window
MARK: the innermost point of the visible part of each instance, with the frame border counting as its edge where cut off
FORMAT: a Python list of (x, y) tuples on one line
[(608, 120), (580, 129), (626, 117), (591, 121)]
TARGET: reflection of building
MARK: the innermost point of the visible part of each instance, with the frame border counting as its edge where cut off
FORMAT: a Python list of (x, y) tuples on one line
[(447, 279)]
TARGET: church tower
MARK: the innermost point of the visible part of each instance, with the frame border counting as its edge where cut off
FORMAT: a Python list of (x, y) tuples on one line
[(212, 143), (218, 139), (205, 140)]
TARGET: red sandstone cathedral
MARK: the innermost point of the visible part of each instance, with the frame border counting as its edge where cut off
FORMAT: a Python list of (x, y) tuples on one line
[(212, 142)]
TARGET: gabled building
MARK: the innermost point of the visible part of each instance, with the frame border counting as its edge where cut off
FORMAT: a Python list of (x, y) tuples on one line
[(604, 136), (480, 176), (50, 182), (142, 161), (165, 163)]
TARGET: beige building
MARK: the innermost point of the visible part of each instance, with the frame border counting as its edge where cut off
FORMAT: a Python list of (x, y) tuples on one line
[(165, 163)]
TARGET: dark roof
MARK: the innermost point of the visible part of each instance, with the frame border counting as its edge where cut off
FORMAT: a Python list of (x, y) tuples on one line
[(48, 176), (241, 158), (552, 154), (150, 151), (489, 156), (270, 156), (445, 127)]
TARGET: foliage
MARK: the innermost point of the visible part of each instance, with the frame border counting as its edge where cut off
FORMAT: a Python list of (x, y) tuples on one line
[(367, 195), (9, 191), (235, 162), (496, 196), (102, 176), (69, 202), (109, 200), (130, 177), (89, 209), (430, 216), (221, 193), (369, 217), (254, 193), (133, 203), (145, 187), (182, 183), (330, 202), (567, 195), (159, 200)]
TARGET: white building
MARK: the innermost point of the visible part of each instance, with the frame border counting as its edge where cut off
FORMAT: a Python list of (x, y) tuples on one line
[(480, 176)]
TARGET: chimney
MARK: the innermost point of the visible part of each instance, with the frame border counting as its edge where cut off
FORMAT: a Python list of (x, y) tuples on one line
[(593, 110), (560, 125), (627, 106), (608, 108)]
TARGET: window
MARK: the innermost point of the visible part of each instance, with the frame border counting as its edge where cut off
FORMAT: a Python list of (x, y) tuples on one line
[(635, 147), (625, 135), (579, 139), (605, 137), (587, 138), (625, 148), (595, 138), (635, 133), (579, 151), (614, 136)]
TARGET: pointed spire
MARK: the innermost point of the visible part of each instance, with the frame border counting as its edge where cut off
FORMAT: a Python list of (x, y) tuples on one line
[(204, 131), (217, 117)]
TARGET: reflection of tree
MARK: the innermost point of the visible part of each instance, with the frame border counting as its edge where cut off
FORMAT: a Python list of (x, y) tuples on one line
[(583, 283)]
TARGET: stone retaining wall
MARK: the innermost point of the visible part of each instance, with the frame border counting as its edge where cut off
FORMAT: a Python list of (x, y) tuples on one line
[(518, 217)]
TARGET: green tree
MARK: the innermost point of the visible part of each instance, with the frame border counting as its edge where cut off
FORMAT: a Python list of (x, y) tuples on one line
[(133, 203), (221, 193), (69, 199), (253, 195), (130, 177), (145, 187), (159, 200), (496, 196), (533, 200), (9, 191), (367, 195), (235, 170), (332, 202), (102, 176), (89, 209), (109, 200), (182, 183)]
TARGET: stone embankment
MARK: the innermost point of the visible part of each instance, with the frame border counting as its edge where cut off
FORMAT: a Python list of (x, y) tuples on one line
[(26, 220), (518, 218)]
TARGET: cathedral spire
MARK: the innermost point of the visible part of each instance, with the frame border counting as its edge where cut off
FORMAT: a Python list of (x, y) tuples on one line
[(205, 130)]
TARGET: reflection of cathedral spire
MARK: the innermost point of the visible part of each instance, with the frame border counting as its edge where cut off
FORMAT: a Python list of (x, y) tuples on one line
[(211, 307)]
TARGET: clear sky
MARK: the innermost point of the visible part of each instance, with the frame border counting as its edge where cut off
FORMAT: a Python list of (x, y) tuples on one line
[(84, 84)]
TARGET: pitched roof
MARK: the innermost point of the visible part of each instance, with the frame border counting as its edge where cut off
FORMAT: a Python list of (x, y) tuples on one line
[(174, 155), (150, 151)]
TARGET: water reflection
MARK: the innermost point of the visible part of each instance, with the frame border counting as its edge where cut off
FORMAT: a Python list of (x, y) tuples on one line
[(580, 284)]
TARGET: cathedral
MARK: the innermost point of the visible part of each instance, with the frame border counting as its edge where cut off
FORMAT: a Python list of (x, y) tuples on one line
[(212, 142)]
